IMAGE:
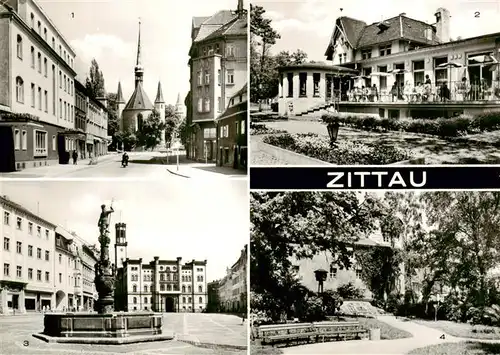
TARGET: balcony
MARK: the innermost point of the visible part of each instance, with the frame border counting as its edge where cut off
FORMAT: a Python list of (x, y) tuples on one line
[(454, 92)]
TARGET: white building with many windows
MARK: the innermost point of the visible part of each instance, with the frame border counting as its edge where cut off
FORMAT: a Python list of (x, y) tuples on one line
[(37, 93), (27, 257)]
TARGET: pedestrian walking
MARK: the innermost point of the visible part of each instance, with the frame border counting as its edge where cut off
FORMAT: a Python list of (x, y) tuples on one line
[(75, 157)]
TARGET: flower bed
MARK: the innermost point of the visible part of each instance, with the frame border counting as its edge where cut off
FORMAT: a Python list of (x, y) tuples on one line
[(443, 127), (344, 153), (261, 128)]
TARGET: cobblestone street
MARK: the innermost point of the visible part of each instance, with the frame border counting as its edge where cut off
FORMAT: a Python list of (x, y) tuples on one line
[(195, 334)]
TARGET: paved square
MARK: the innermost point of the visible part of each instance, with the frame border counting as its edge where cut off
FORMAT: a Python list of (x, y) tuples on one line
[(195, 334)]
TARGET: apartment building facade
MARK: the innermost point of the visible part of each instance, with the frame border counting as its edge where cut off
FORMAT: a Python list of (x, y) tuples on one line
[(218, 69), (232, 135), (27, 257), (45, 267), (36, 86), (233, 287)]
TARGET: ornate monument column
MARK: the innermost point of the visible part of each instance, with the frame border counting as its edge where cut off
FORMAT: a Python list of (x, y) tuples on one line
[(104, 278)]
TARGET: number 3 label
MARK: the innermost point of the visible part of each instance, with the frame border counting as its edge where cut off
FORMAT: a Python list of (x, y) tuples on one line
[(26, 343)]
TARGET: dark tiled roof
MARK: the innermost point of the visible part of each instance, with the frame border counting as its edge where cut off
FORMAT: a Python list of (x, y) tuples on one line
[(353, 29), (360, 35), (139, 100), (213, 23), (235, 27), (398, 27), (159, 95), (220, 18), (197, 21)]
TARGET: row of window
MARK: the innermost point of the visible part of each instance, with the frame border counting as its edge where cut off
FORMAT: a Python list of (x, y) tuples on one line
[(383, 50), (19, 249), (150, 300), (205, 74), (43, 102), (20, 225), (19, 273), (211, 50), (65, 81), (168, 288), (66, 56)]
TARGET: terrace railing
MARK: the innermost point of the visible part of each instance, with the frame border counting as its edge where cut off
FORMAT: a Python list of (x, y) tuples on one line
[(456, 91)]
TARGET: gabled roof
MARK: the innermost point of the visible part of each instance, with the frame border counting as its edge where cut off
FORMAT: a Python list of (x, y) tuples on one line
[(139, 100), (360, 35), (212, 23), (399, 27), (235, 27)]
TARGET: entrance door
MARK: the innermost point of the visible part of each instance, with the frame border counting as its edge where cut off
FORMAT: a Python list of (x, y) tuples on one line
[(15, 301), (169, 304), (235, 158), (7, 156)]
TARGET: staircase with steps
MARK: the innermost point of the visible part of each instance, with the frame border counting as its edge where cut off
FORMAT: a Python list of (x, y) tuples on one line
[(322, 107)]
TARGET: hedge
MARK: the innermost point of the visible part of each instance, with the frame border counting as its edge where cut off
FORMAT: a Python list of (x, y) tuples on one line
[(443, 127), (260, 128), (343, 153)]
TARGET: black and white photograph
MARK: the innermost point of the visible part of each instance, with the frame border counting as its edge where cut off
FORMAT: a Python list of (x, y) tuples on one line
[(359, 83), (120, 267), (123, 89), (412, 273)]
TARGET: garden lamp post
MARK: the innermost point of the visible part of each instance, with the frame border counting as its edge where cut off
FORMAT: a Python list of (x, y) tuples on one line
[(320, 275), (333, 131), (436, 308)]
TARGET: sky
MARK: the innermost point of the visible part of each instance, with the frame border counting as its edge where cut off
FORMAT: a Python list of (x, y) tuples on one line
[(308, 25), (193, 221), (107, 30)]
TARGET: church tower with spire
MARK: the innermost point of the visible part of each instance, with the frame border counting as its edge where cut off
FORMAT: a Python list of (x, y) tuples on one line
[(120, 103), (160, 107), (139, 106), (180, 108)]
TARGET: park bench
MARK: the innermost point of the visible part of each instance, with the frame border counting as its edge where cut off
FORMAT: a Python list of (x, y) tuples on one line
[(287, 333), (327, 331)]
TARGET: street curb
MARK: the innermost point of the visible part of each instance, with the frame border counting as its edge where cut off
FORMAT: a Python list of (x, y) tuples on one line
[(174, 173), (214, 346)]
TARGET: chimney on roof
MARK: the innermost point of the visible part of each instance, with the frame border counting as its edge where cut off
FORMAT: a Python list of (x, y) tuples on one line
[(240, 10), (442, 25), (402, 14)]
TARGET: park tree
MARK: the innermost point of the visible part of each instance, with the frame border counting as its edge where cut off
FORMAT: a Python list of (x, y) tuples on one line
[(299, 225), (128, 139), (262, 37), (113, 126), (150, 134), (463, 245), (172, 122), (95, 81), (403, 222)]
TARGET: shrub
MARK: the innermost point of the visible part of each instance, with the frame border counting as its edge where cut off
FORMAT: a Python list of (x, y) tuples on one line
[(443, 127), (350, 291), (261, 128), (344, 153)]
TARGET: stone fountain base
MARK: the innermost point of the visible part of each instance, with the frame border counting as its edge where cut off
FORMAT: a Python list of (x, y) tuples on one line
[(111, 328)]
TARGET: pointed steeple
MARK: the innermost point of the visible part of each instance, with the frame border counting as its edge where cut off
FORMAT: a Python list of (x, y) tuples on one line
[(139, 69), (159, 95), (178, 103), (240, 10), (119, 95)]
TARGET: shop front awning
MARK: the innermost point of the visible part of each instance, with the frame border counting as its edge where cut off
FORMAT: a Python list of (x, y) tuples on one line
[(74, 134)]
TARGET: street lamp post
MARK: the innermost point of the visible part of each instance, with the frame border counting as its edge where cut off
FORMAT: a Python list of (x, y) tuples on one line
[(333, 131), (320, 275)]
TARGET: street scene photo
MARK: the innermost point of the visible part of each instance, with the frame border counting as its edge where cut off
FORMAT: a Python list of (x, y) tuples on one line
[(350, 84), (113, 89), (120, 267), (375, 273)]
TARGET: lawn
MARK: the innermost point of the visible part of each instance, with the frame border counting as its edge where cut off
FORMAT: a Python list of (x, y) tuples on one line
[(463, 330), (462, 348), (257, 349), (387, 332)]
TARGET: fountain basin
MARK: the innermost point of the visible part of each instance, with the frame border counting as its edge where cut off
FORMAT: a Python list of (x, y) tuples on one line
[(110, 328)]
